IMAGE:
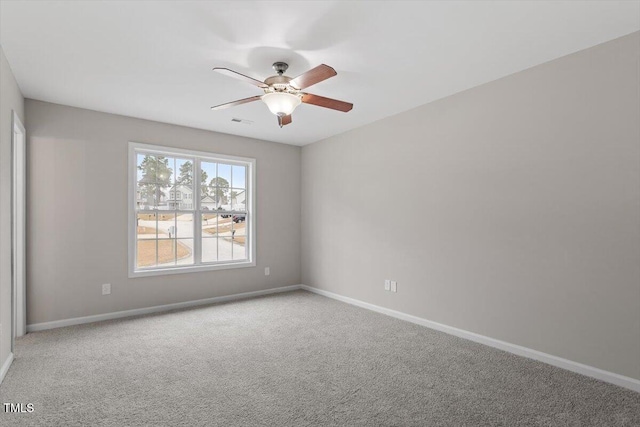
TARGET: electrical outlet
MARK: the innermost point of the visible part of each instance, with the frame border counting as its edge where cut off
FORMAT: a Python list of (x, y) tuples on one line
[(387, 285), (267, 271), (394, 286), (106, 288)]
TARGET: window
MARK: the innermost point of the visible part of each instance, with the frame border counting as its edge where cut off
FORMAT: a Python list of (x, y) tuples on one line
[(170, 230)]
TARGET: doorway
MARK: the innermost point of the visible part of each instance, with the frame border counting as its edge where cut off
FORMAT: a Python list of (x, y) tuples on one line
[(18, 232)]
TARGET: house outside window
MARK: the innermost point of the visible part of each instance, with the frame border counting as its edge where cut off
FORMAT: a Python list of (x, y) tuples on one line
[(170, 230)]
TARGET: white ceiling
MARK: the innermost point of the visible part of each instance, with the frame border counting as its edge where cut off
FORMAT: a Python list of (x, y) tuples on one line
[(153, 59)]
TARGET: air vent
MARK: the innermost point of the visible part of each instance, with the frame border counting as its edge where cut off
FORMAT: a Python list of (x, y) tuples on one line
[(243, 121)]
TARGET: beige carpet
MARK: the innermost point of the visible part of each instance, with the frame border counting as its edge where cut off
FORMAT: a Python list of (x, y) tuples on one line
[(294, 359)]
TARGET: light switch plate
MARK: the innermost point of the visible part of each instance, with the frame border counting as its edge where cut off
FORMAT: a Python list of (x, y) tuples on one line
[(267, 271), (387, 285), (106, 288), (394, 286)]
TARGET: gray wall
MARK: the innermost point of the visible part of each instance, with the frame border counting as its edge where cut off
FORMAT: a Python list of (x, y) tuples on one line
[(511, 210), (77, 214), (10, 99)]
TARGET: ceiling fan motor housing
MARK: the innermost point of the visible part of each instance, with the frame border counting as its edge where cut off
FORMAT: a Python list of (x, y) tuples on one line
[(277, 81)]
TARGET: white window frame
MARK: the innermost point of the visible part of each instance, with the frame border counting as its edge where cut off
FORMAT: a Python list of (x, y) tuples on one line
[(250, 206)]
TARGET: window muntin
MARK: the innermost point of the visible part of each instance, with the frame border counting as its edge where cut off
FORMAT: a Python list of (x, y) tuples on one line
[(175, 231)]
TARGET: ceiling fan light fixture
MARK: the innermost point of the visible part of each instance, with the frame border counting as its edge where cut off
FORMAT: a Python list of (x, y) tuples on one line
[(281, 103), (282, 94)]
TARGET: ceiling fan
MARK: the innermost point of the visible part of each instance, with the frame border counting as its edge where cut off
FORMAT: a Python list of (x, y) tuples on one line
[(282, 94)]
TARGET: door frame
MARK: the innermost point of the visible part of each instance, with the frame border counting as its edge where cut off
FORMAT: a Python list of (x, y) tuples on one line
[(18, 229)]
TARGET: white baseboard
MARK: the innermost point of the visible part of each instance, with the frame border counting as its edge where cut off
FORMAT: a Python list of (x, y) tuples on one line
[(155, 309), (590, 371), (5, 367)]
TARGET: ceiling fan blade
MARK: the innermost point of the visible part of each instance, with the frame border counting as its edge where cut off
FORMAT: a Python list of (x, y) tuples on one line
[(236, 75), (234, 103), (313, 76), (285, 120), (321, 101)]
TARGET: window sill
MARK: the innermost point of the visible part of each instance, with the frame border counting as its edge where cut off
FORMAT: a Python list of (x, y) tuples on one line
[(190, 269)]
